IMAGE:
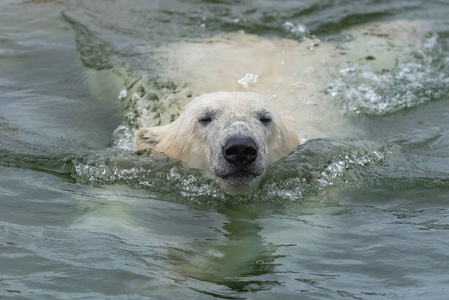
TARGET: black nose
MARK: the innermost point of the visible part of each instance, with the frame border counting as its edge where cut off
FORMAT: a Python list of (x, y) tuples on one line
[(240, 149)]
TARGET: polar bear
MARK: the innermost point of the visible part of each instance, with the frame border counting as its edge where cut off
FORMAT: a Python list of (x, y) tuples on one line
[(235, 135), (231, 135)]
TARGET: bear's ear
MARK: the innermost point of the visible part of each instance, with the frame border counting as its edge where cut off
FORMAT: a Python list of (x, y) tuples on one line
[(292, 140), (148, 138), (290, 134)]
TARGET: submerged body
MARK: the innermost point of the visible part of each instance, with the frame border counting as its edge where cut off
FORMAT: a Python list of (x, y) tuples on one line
[(292, 81)]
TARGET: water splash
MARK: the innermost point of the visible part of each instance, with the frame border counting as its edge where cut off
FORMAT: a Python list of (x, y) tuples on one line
[(424, 78), (313, 168), (321, 164), (298, 30)]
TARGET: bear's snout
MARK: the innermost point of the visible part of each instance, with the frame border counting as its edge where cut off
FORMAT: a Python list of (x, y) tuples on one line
[(240, 150)]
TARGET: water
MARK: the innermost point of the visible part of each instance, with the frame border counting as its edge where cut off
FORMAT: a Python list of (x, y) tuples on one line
[(84, 217)]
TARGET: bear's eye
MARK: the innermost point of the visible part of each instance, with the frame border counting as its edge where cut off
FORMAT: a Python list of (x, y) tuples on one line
[(265, 119), (205, 120)]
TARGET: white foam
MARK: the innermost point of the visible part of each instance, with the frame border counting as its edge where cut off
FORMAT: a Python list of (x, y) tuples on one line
[(122, 95), (298, 30), (248, 79)]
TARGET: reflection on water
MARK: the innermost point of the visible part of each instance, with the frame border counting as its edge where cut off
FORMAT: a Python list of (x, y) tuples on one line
[(238, 260), (84, 217)]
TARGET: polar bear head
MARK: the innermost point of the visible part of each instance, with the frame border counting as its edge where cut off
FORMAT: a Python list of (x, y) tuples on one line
[(234, 136)]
